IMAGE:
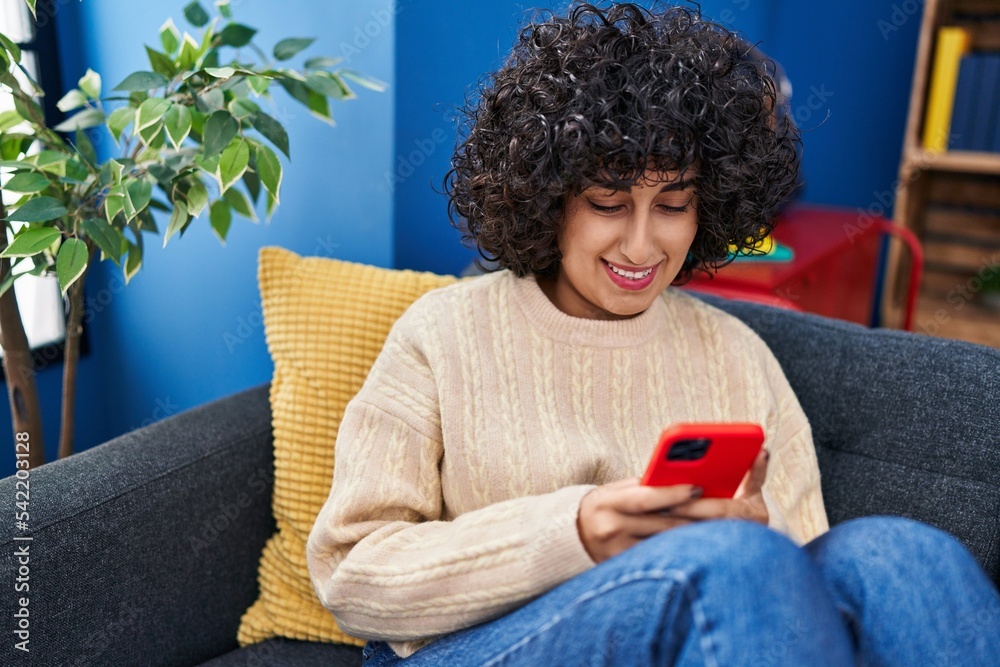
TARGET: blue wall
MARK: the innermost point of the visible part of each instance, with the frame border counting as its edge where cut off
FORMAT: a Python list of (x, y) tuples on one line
[(188, 330)]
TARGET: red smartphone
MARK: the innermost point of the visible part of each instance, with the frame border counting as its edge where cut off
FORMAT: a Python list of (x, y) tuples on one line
[(714, 456)]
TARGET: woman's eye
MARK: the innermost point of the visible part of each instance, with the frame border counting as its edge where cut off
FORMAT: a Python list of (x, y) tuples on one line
[(614, 208), (675, 209)]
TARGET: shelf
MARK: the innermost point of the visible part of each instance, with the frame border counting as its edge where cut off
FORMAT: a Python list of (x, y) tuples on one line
[(960, 161), (958, 319), (950, 200)]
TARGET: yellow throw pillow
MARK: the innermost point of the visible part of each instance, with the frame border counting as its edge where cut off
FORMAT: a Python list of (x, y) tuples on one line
[(325, 322)]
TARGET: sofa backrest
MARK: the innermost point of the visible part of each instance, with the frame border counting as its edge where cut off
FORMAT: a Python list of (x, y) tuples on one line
[(904, 424)]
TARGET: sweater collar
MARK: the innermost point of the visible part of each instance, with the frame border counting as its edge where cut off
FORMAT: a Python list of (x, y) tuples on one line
[(555, 324)]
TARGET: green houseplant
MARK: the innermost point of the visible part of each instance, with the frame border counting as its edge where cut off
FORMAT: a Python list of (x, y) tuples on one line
[(193, 141)]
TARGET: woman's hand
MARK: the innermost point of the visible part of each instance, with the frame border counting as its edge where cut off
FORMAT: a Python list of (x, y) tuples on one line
[(616, 516), (747, 503)]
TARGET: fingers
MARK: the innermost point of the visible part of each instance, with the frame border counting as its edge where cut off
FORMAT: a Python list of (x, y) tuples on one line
[(711, 508), (754, 480), (636, 499), (646, 525)]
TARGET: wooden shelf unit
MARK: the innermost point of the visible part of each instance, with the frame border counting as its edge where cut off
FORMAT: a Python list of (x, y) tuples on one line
[(951, 200)]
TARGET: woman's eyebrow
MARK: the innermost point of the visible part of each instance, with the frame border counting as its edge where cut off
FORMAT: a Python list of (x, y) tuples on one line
[(669, 187), (678, 185)]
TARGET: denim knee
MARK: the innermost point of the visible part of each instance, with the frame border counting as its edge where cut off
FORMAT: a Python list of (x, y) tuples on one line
[(720, 548), (878, 542)]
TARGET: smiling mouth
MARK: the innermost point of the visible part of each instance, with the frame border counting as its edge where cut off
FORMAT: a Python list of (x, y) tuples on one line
[(629, 275)]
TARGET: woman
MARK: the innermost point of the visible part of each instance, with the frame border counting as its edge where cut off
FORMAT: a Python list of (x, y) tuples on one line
[(485, 507)]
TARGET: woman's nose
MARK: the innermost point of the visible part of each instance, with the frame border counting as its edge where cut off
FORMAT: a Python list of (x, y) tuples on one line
[(636, 242)]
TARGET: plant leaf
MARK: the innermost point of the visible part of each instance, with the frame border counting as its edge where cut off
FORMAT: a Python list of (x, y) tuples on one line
[(272, 131), (119, 120), (269, 208), (321, 62), (141, 81), (128, 208), (177, 220), (319, 106), (161, 63), (197, 198), (27, 181), (51, 162), (236, 34), (13, 49), (177, 122), (134, 261), (365, 81), (220, 72), (107, 238), (196, 14), (189, 52), (258, 84), (71, 262), (250, 178), (287, 48), (242, 108), (221, 217), (140, 191), (210, 165), (114, 203), (210, 101), (115, 171), (220, 128), (74, 99), (151, 112), (81, 121), (329, 85), (239, 202), (28, 108), (269, 170), (9, 119), (39, 209), (31, 241), (90, 84), (233, 163), (86, 150), (170, 36)]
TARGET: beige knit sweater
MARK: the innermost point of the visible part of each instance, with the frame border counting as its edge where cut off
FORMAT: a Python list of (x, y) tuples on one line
[(489, 413)]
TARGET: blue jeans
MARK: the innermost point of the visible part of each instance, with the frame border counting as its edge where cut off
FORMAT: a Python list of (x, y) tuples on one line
[(873, 591)]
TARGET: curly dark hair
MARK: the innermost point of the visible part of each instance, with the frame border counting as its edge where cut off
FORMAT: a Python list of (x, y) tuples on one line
[(599, 96)]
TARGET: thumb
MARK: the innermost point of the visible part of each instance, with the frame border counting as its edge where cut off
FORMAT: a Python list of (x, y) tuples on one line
[(754, 480)]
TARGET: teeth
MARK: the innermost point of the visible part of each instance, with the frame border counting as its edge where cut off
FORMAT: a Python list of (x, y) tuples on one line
[(630, 275)]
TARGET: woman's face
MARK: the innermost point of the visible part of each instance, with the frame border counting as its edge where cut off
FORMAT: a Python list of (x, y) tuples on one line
[(620, 250)]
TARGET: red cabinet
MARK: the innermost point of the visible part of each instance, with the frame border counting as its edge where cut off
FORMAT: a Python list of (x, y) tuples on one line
[(832, 272)]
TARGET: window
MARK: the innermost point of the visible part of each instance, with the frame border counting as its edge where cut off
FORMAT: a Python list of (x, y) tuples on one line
[(40, 302)]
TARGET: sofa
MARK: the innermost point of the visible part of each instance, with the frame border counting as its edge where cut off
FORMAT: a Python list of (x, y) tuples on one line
[(145, 549)]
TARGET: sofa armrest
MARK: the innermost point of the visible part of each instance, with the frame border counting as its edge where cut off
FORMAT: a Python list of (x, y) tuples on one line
[(904, 424), (145, 549)]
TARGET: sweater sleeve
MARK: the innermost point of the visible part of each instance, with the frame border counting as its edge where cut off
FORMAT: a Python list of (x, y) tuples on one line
[(382, 556), (791, 490)]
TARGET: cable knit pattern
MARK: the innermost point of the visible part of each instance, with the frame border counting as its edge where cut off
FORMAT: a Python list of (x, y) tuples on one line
[(486, 418)]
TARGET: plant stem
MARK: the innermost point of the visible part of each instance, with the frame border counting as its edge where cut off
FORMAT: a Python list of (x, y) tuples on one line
[(73, 330), (26, 416)]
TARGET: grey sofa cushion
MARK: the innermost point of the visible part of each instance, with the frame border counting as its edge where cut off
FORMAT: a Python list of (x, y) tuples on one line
[(125, 566), (904, 424), (290, 653)]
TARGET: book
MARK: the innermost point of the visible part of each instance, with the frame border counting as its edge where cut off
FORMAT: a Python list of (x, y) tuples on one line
[(952, 44), (963, 114), (989, 96)]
